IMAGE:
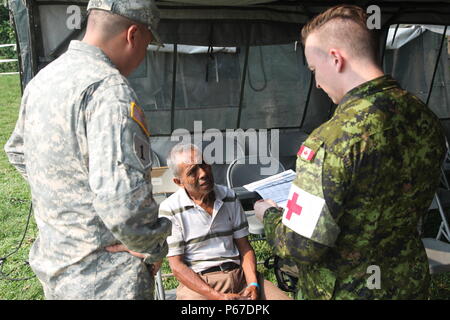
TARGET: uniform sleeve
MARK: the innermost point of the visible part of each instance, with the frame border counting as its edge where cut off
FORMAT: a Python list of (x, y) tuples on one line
[(329, 180), (176, 240), (240, 223), (119, 174), (14, 146), (286, 243)]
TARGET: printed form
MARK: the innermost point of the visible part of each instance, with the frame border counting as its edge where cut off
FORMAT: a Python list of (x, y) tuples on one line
[(275, 187)]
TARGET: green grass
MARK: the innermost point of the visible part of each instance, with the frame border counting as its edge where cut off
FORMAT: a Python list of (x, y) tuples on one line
[(14, 206)]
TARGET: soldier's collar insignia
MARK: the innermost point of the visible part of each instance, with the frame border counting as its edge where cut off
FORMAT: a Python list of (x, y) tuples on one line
[(137, 114)]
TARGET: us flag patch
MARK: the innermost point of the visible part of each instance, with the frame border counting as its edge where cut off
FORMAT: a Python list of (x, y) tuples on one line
[(137, 114), (306, 153)]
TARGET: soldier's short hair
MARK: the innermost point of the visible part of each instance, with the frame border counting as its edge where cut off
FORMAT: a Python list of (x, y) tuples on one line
[(345, 25), (107, 23)]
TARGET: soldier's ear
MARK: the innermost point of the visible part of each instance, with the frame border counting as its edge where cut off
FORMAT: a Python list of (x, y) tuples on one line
[(337, 59), (131, 35)]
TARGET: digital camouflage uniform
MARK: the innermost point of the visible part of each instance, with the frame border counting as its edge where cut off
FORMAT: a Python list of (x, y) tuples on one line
[(81, 142), (375, 164)]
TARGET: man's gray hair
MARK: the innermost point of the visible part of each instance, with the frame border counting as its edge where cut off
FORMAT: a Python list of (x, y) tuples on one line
[(173, 160)]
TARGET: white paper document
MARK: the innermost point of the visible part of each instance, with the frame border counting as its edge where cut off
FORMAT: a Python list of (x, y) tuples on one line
[(275, 187)]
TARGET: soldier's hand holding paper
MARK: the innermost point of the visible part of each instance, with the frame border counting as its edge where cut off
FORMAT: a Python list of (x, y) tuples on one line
[(261, 206)]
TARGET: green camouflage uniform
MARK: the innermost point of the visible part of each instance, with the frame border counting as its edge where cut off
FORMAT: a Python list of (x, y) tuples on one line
[(87, 159), (376, 165)]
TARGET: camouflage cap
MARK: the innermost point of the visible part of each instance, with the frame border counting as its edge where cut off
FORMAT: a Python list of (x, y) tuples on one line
[(141, 11)]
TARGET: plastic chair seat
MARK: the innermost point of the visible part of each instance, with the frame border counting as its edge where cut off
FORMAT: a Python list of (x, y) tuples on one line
[(438, 253)]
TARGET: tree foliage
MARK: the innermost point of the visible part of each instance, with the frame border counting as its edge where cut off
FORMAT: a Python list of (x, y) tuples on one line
[(6, 37)]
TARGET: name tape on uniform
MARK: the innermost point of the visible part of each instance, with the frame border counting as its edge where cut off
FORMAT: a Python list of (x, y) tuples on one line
[(302, 211)]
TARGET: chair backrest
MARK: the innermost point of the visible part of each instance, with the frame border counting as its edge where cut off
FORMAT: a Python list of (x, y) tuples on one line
[(250, 169), (155, 160), (442, 203), (438, 253), (445, 168), (222, 153)]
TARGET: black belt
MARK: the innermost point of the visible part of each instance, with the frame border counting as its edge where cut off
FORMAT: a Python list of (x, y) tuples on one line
[(227, 266)]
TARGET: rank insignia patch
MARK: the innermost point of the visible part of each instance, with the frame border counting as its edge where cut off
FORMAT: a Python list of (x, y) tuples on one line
[(142, 151)]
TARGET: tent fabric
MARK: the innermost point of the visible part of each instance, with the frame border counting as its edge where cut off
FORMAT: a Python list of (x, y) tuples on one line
[(208, 89), (278, 91), (413, 65), (22, 25), (398, 37)]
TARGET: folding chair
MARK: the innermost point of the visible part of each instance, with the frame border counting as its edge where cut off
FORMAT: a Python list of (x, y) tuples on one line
[(438, 252), (445, 168), (246, 170), (250, 169), (160, 293), (441, 202)]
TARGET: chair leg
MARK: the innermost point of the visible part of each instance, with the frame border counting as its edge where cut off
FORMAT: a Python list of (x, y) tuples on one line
[(444, 179), (444, 228), (159, 288), (438, 236), (442, 233)]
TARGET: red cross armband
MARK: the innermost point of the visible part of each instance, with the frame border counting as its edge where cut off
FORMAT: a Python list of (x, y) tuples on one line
[(309, 216)]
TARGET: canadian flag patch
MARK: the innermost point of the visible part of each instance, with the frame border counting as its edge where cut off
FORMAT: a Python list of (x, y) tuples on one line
[(306, 153), (302, 211)]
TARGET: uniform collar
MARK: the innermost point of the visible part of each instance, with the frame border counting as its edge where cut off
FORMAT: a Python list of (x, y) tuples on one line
[(90, 50), (368, 88)]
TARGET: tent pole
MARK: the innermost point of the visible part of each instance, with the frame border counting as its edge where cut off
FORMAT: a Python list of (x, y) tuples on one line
[(395, 33), (174, 80), (244, 73), (305, 109), (436, 64)]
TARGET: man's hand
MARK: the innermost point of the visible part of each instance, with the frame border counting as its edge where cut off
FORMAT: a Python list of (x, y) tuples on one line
[(251, 292), (261, 206), (233, 296), (122, 248)]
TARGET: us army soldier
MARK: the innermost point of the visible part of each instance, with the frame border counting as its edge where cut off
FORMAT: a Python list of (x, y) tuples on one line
[(82, 143), (364, 178)]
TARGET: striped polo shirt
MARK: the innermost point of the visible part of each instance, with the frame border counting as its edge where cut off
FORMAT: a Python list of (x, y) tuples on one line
[(205, 240)]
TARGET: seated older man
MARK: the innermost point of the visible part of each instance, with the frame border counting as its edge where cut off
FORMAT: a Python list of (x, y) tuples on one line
[(209, 252)]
